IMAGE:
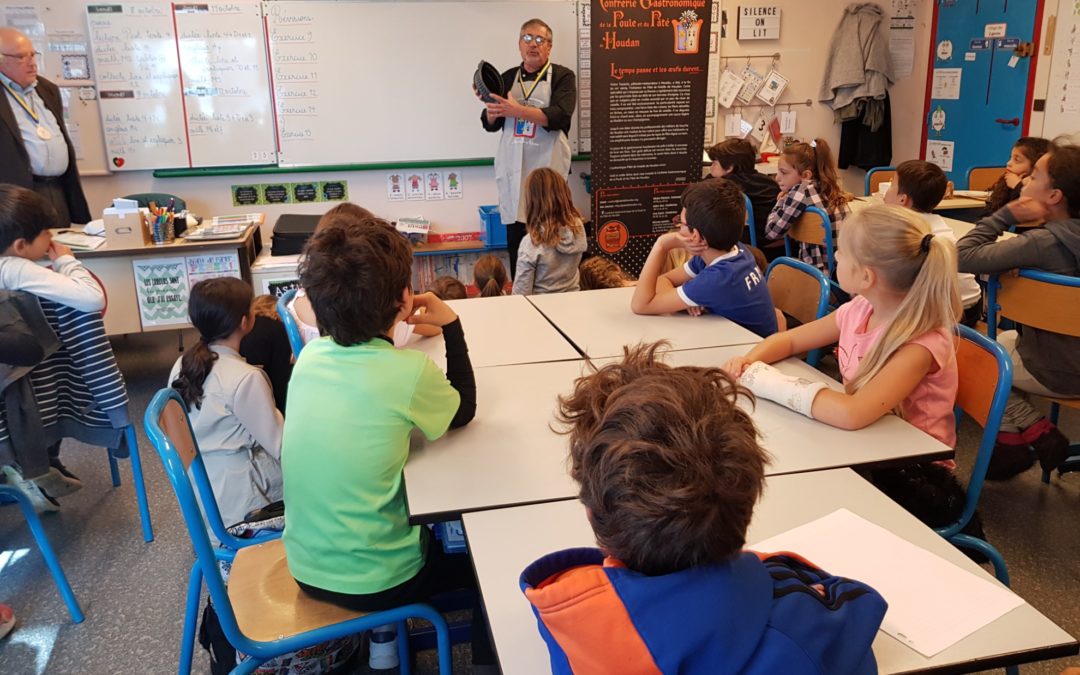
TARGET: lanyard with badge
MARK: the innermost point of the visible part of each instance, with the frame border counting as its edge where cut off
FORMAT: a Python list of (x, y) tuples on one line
[(525, 128), (42, 132)]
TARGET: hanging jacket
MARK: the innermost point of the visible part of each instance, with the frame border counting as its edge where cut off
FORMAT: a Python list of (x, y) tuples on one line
[(754, 615), (858, 71), (79, 390)]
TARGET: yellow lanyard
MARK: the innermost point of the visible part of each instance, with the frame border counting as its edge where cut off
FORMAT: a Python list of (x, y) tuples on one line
[(29, 110), (539, 77)]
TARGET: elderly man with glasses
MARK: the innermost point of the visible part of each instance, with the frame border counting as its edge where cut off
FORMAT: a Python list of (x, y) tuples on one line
[(534, 119), (34, 143)]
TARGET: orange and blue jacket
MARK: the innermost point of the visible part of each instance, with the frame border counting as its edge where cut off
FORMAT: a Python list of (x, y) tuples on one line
[(773, 613)]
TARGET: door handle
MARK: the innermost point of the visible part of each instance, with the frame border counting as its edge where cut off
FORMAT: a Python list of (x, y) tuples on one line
[(1014, 121)]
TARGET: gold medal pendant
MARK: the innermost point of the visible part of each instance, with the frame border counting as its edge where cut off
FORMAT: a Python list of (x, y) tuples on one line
[(43, 133)]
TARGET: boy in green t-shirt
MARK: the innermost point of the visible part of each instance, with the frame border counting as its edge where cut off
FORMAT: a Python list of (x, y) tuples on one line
[(353, 401)]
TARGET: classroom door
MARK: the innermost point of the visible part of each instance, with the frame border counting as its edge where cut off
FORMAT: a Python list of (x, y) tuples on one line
[(982, 63)]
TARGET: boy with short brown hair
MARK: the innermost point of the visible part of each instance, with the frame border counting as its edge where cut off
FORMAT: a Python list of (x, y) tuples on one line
[(670, 469)]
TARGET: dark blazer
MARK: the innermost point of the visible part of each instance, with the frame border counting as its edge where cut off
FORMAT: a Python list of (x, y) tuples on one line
[(16, 165)]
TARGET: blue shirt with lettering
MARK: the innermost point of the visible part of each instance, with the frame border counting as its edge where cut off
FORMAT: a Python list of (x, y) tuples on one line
[(733, 287)]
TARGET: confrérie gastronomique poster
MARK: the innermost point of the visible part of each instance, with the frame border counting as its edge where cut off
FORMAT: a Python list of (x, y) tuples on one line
[(650, 64)]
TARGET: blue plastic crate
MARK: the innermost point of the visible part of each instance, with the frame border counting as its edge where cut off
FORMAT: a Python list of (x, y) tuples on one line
[(452, 535), (494, 230)]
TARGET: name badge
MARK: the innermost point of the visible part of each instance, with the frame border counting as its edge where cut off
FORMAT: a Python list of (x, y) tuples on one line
[(524, 128)]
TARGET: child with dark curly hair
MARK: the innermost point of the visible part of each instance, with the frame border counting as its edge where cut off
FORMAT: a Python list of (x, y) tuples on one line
[(670, 470)]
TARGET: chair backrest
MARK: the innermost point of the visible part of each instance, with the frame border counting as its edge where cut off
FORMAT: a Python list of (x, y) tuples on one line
[(750, 220), (169, 429), (159, 198), (167, 426), (798, 289), (296, 341), (983, 177), (985, 377), (877, 176), (1034, 298), (813, 227)]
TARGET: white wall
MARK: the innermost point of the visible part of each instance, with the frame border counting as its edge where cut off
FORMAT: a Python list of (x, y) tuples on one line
[(806, 31)]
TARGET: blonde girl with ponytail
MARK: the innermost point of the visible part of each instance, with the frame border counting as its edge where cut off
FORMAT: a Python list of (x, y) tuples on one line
[(896, 337)]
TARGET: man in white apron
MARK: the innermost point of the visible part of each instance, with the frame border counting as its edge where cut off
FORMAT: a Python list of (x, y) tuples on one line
[(534, 120)]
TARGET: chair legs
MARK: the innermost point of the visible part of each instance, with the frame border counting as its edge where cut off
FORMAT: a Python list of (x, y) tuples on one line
[(1001, 571), (1073, 462), (53, 563), (137, 478), (404, 656), (191, 620)]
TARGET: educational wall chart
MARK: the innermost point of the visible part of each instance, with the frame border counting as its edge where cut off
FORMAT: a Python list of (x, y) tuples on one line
[(176, 81), (1063, 92), (162, 285), (649, 90)]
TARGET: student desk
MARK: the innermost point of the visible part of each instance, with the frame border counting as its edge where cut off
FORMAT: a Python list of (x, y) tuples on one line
[(959, 227), (509, 456), (946, 204), (112, 265), (501, 331), (505, 541), (600, 322)]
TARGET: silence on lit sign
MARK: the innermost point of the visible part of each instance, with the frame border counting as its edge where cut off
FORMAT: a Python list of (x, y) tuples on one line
[(759, 23)]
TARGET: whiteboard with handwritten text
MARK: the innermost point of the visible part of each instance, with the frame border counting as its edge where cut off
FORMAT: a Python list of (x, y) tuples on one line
[(182, 85), (134, 51)]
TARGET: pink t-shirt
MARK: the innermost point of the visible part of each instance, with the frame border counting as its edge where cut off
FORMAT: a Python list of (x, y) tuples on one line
[(930, 406)]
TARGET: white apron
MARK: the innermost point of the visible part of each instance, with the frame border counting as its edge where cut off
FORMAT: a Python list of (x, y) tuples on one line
[(524, 146)]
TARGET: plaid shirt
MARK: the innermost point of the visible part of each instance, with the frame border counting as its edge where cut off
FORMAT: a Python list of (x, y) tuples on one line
[(790, 208)]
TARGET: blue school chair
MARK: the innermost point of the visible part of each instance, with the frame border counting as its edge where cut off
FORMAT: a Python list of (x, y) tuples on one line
[(877, 176), (263, 613), (10, 495), (813, 227), (799, 290), (132, 447), (983, 177), (287, 318), (750, 221), (1040, 300), (985, 371)]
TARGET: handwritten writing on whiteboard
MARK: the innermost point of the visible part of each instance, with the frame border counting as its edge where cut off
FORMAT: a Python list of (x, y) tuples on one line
[(293, 37), (225, 83), (134, 51)]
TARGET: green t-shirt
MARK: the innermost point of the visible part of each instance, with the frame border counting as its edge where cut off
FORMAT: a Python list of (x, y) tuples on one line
[(349, 415)]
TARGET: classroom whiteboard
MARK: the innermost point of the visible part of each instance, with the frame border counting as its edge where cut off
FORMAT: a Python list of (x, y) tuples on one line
[(1062, 114), (391, 81), (182, 85)]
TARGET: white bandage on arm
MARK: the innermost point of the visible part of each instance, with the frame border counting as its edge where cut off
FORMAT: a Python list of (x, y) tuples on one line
[(796, 393)]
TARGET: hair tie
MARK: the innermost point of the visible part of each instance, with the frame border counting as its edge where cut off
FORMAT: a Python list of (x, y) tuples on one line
[(924, 245), (813, 143)]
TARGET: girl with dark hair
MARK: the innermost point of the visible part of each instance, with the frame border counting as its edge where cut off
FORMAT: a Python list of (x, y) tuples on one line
[(806, 174), (1025, 153), (230, 403)]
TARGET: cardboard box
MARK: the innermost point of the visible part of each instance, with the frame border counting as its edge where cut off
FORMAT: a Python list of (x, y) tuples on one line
[(125, 228)]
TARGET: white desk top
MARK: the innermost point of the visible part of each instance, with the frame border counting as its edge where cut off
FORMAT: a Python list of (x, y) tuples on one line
[(501, 331), (508, 455), (505, 541), (946, 204), (600, 323), (959, 227)]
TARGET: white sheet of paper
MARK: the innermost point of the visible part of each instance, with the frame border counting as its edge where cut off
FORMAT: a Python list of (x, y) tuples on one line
[(752, 81), (733, 124), (787, 122), (930, 599), (1014, 60), (941, 153), (761, 127), (773, 87), (946, 84), (730, 84)]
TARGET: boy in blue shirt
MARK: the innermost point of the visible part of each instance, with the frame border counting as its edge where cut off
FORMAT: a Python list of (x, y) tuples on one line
[(722, 277)]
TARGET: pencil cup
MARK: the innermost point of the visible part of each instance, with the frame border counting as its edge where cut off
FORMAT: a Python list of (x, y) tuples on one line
[(162, 229)]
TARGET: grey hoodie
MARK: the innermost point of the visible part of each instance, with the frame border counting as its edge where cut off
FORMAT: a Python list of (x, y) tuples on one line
[(1053, 359), (547, 269)]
